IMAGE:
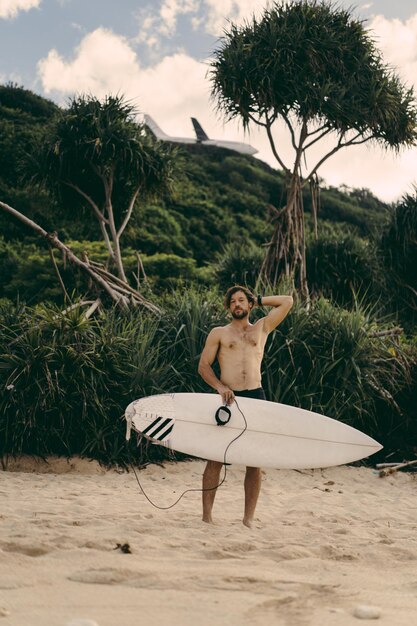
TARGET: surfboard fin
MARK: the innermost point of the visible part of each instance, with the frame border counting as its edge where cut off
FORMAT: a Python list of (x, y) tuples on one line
[(128, 426)]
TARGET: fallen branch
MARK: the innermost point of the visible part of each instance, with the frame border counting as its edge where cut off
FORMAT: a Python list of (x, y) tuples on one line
[(120, 292), (392, 470), (386, 333)]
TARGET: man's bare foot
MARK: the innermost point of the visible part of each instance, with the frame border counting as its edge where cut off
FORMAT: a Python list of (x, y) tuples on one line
[(248, 522), (208, 519)]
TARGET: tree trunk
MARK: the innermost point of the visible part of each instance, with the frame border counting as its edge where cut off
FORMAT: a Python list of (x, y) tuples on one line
[(286, 251)]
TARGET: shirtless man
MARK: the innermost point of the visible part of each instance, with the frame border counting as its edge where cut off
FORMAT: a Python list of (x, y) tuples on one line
[(239, 348)]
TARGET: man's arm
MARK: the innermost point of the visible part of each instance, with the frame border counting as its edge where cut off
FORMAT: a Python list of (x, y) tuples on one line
[(281, 306), (206, 371)]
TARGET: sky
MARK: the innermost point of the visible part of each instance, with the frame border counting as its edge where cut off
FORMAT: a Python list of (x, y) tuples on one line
[(157, 53)]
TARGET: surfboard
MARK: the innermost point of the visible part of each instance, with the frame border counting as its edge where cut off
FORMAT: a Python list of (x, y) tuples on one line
[(268, 434)]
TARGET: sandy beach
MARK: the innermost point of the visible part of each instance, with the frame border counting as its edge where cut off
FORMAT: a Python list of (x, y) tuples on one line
[(325, 542)]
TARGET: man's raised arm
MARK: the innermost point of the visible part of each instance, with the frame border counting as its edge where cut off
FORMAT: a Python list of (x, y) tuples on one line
[(281, 307)]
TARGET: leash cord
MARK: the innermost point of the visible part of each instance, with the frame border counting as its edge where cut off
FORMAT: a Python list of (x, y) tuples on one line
[(165, 508)]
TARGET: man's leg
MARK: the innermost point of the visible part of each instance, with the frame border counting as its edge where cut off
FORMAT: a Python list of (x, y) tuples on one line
[(211, 478), (252, 489)]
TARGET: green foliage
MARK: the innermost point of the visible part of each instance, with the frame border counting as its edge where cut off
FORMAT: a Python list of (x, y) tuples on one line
[(239, 264), (156, 229), (331, 361), (97, 149), (66, 380), (315, 61), (169, 270), (398, 248), (343, 267)]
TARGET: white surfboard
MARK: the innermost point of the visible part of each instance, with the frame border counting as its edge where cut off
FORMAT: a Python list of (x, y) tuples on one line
[(275, 435)]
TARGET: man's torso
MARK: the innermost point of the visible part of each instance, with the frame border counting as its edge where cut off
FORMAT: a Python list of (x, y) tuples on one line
[(240, 356)]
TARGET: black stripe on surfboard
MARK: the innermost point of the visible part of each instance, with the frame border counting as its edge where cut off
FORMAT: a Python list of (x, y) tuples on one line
[(152, 433), (152, 424), (166, 433)]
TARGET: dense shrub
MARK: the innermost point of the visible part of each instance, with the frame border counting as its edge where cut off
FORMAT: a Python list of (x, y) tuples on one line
[(343, 267), (239, 263), (398, 248), (66, 380)]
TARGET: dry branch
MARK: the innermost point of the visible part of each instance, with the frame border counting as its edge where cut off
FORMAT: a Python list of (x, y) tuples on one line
[(119, 291), (392, 470)]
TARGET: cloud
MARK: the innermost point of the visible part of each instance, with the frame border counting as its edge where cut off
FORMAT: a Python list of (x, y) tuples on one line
[(176, 88), (397, 40), (171, 9), (103, 63), (157, 24), (10, 8), (218, 12), (172, 90)]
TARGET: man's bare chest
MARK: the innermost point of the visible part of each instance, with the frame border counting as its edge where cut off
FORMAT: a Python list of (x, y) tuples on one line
[(248, 341)]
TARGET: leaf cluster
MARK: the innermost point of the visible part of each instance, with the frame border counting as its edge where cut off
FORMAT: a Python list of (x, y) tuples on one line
[(99, 146), (315, 61)]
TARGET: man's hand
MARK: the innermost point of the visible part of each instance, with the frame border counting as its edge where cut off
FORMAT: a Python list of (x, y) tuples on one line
[(227, 394)]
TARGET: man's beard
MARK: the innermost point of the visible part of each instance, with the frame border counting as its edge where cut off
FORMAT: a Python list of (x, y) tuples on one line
[(239, 315)]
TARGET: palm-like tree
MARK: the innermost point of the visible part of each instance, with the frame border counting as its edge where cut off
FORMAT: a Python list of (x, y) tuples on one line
[(315, 68), (98, 153)]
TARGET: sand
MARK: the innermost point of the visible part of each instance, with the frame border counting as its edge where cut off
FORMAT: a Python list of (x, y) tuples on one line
[(324, 543)]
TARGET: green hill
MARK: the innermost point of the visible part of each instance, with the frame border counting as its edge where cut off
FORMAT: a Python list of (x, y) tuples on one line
[(221, 197)]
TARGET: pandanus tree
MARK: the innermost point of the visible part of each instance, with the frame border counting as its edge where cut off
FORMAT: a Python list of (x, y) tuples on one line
[(99, 157), (313, 70)]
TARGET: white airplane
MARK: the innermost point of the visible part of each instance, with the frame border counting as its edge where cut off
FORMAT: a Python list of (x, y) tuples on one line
[(201, 137)]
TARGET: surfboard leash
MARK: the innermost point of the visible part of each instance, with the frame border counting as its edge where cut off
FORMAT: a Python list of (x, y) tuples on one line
[(201, 489)]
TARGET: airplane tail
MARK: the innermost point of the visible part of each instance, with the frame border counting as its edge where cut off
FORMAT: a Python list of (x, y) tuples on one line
[(154, 128), (201, 135)]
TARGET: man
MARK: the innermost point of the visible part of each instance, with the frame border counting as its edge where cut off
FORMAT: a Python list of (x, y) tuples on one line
[(239, 348)]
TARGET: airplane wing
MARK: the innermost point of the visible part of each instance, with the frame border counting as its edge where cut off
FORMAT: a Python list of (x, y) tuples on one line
[(201, 135)]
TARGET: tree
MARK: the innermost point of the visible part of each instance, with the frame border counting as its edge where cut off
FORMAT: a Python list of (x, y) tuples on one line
[(316, 69), (97, 153)]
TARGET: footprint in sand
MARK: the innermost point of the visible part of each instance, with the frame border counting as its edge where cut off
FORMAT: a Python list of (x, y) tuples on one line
[(108, 576), (112, 576), (33, 550)]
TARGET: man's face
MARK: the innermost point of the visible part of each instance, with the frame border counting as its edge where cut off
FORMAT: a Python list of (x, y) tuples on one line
[(239, 306)]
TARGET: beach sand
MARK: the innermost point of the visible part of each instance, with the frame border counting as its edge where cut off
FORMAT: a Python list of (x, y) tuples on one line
[(324, 542)]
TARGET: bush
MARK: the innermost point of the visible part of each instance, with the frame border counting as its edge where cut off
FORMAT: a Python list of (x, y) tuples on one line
[(66, 381), (239, 263), (342, 266), (333, 361), (398, 248)]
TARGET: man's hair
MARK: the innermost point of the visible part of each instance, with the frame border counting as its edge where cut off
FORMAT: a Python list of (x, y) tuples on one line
[(233, 290)]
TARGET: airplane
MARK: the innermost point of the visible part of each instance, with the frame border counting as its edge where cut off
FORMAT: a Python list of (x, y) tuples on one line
[(201, 137)]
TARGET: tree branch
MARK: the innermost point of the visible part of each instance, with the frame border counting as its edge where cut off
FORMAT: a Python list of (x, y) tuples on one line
[(58, 274), (101, 218), (82, 193), (274, 150), (326, 132), (313, 132), (338, 147), (255, 121), (111, 289), (128, 213), (291, 129)]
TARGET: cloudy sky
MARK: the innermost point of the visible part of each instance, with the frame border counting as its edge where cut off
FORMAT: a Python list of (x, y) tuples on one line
[(157, 53)]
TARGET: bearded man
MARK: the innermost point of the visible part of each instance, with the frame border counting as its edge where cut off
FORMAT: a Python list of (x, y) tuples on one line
[(239, 349)]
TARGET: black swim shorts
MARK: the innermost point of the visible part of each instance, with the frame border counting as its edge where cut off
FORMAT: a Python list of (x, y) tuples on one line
[(257, 394)]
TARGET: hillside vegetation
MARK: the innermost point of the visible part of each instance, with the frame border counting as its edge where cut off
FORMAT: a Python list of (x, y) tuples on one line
[(67, 379)]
